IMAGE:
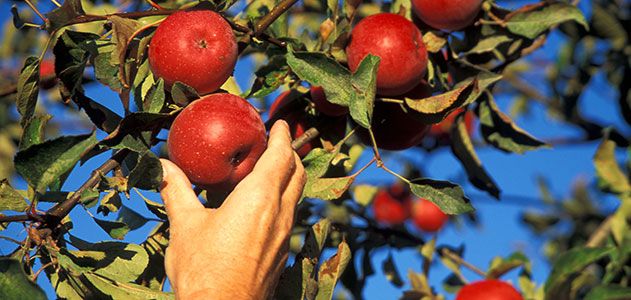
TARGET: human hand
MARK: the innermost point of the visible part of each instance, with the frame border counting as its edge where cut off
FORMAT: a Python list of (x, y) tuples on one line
[(236, 251)]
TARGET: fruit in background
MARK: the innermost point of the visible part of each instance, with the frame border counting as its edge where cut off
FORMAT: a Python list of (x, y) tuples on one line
[(441, 131), (397, 126), (399, 44), (389, 209), (427, 216), (490, 289), (447, 15), (195, 47), (47, 76), (323, 105), (216, 141)]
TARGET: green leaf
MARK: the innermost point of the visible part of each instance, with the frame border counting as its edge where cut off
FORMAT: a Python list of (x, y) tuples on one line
[(320, 70), (435, 108), (605, 24), (364, 83), (447, 196), (364, 194), (121, 290), (60, 16), (608, 292), (104, 71), (28, 89), (569, 263), (111, 202), (10, 199), (331, 271), (318, 161), (122, 31), (15, 284), (610, 177), (500, 131), (135, 130), (154, 99), (391, 272), (115, 229), (119, 261), (532, 23), (44, 163), (327, 188), (34, 131), (269, 77), (101, 116), (488, 44), (433, 42), (155, 245), (147, 174), (131, 218), (154, 207), (500, 266), (72, 51), (183, 94), (463, 149), (420, 286)]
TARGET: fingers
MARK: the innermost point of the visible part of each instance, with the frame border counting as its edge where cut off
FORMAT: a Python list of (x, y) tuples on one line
[(176, 191), (275, 167), (293, 192)]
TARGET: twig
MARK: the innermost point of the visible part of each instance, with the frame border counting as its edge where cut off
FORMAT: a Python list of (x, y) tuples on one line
[(263, 36), (456, 258), (39, 14), (600, 234), (306, 137), (40, 270), (129, 15), (268, 19), (16, 218)]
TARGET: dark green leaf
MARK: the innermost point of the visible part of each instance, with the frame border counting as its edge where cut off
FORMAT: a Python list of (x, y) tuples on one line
[(60, 16), (147, 174), (155, 245), (154, 98), (269, 77), (448, 196), (122, 290), (183, 94), (15, 284), (28, 89), (72, 51), (101, 116), (135, 130), (104, 71), (364, 83), (116, 260), (17, 20), (435, 108), (133, 219), (34, 131), (122, 31), (115, 229), (500, 266), (44, 163), (154, 207), (609, 292), (320, 70), (532, 23), (500, 131), (569, 263), (463, 149), (10, 199), (111, 202), (391, 272)]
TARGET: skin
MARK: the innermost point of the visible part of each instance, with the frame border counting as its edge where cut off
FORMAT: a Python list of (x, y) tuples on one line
[(389, 209), (323, 105), (400, 47), (244, 241), (217, 140), (488, 290), (449, 15), (397, 126), (427, 216), (197, 48)]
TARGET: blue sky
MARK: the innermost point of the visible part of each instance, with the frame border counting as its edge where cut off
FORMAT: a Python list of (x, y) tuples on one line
[(500, 231)]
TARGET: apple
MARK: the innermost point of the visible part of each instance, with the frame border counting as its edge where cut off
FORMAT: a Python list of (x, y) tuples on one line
[(427, 216), (323, 105), (450, 15), (195, 47), (216, 141), (489, 289), (441, 131), (47, 75), (389, 209), (397, 126), (297, 119), (399, 44)]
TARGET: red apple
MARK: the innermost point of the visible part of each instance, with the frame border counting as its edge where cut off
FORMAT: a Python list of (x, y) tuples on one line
[(389, 209), (297, 119), (442, 130), (447, 15), (397, 126), (489, 289), (216, 141), (195, 47), (427, 216), (399, 44), (324, 106), (47, 75)]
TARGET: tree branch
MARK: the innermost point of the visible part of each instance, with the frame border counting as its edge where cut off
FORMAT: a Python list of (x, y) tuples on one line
[(268, 19), (600, 234)]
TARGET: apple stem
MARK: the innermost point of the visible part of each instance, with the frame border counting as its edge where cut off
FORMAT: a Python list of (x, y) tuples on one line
[(456, 258)]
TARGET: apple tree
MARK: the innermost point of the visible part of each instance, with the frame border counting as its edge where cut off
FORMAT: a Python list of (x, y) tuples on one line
[(353, 79)]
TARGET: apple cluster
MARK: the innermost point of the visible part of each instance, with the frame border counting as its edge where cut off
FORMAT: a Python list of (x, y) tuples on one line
[(395, 204), (217, 139)]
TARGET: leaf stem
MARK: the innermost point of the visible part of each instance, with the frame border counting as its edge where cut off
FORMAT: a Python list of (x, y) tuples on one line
[(37, 12), (456, 258), (372, 161)]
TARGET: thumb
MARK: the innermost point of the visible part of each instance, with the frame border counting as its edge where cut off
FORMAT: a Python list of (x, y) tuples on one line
[(176, 191)]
